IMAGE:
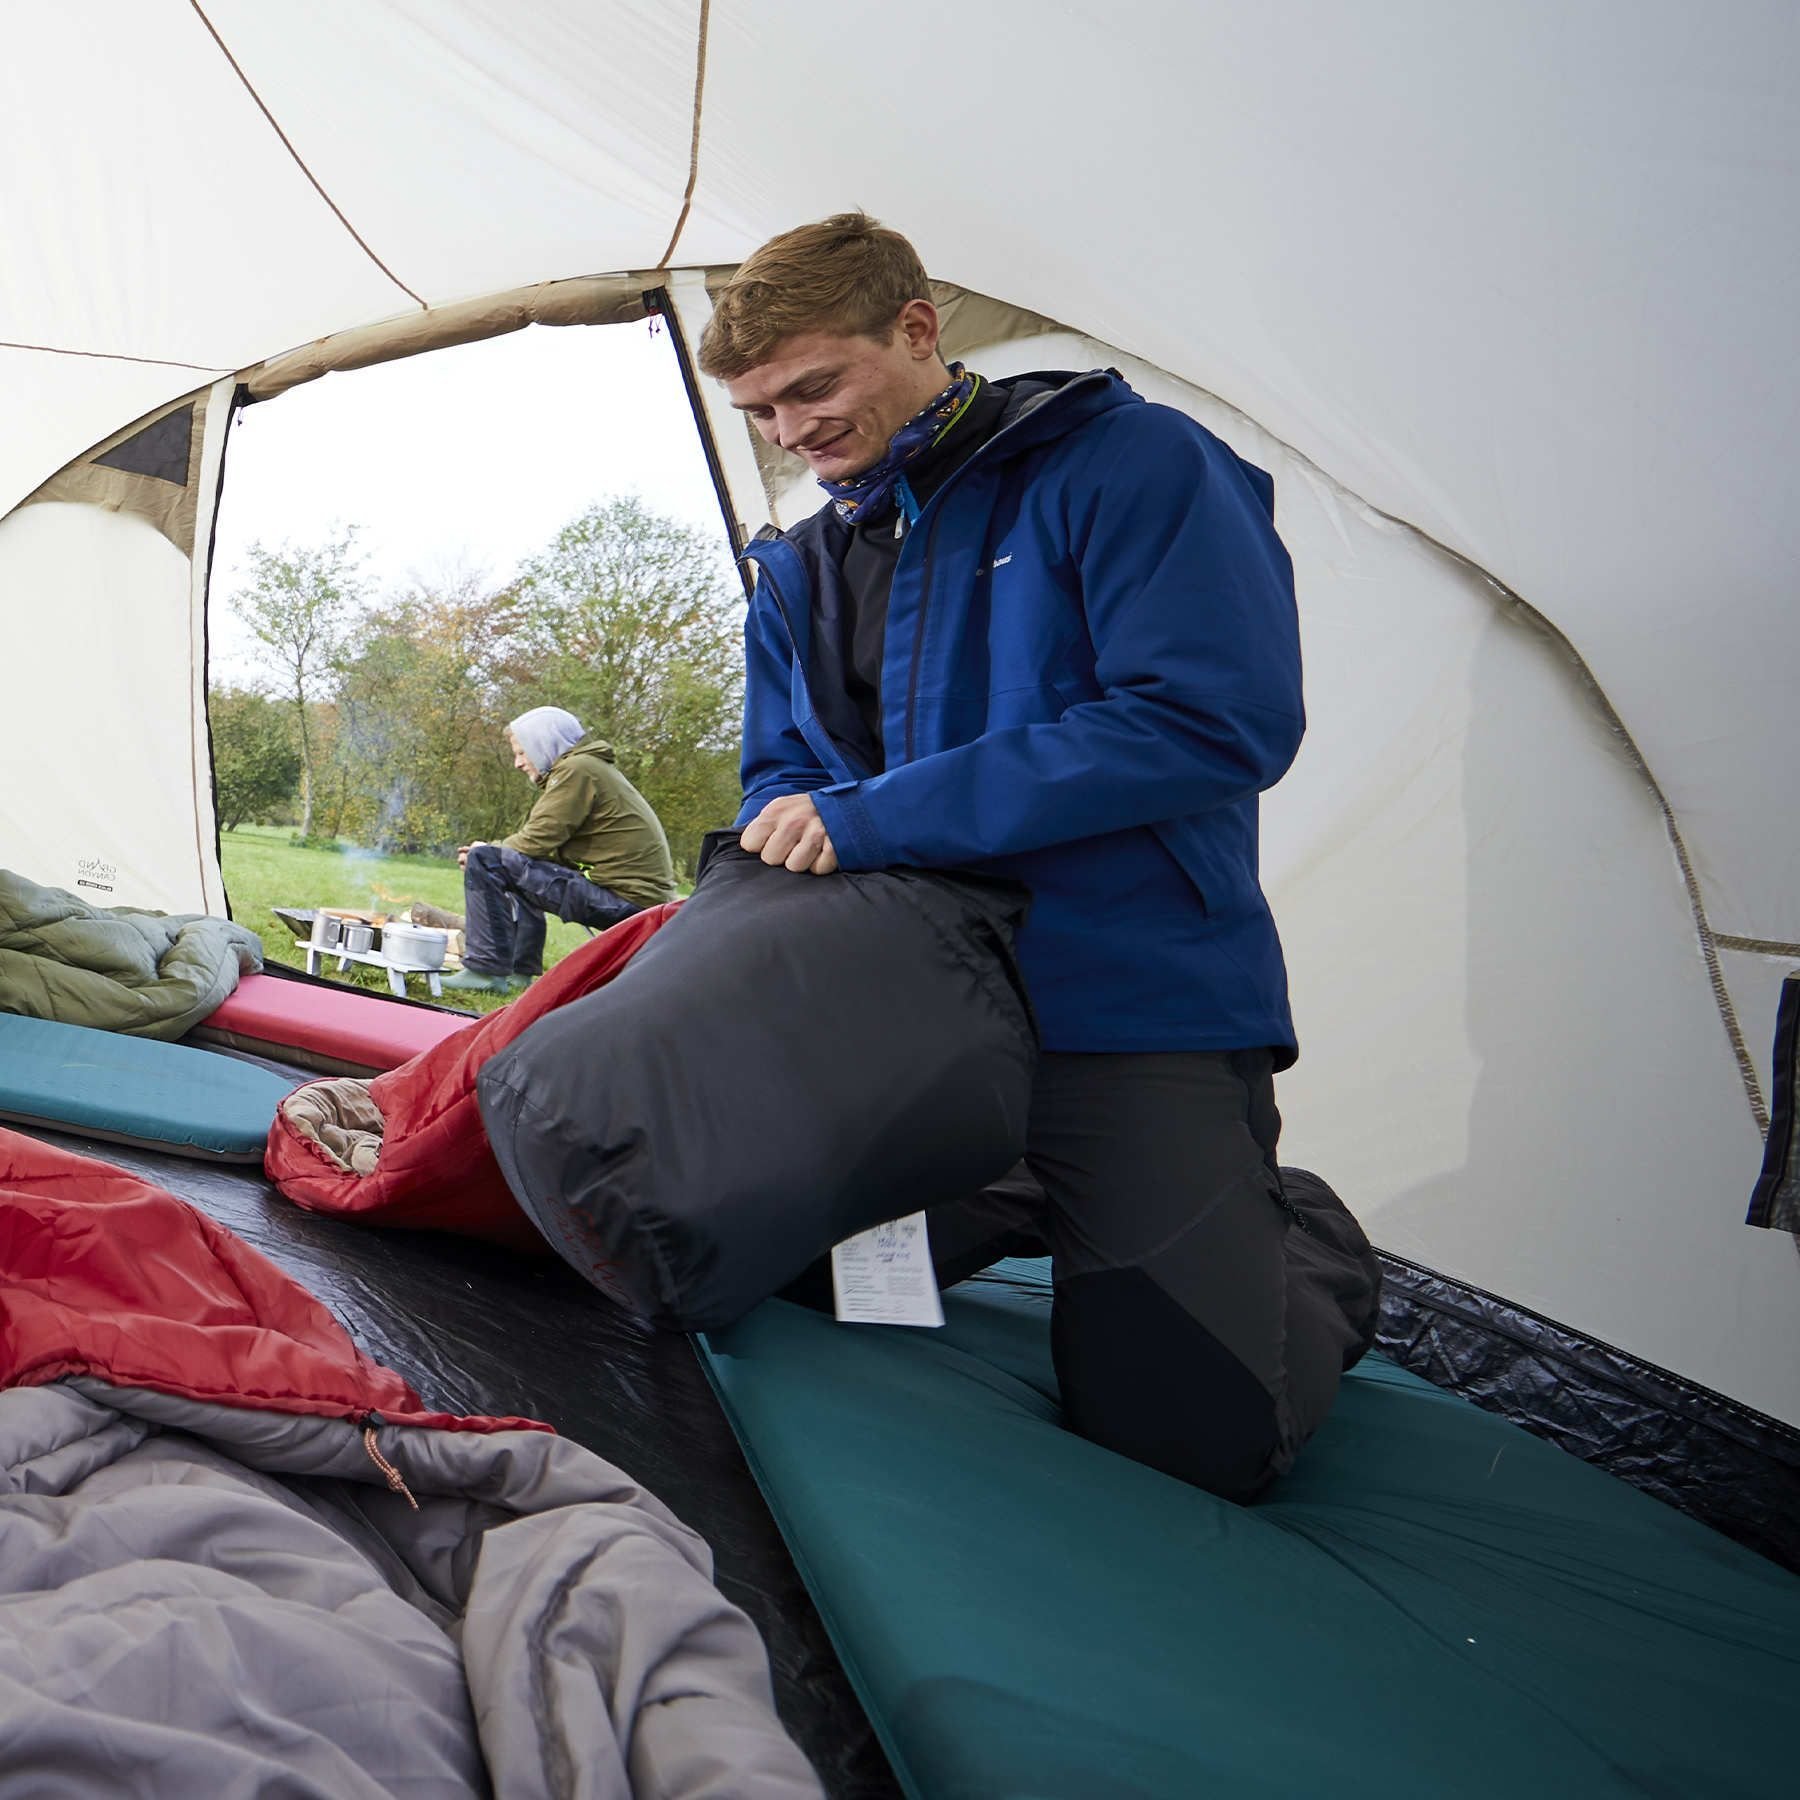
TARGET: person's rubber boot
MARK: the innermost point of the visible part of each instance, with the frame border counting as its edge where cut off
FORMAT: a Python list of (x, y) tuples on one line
[(434, 916), (472, 981)]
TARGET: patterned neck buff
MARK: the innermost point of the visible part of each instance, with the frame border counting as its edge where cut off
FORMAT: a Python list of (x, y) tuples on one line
[(866, 496)]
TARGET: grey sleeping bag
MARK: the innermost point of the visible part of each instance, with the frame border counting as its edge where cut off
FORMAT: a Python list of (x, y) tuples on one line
[(203, 1602)]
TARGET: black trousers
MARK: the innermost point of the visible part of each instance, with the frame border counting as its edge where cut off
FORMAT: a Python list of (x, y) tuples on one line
[(1206, 1302), (505, 898)]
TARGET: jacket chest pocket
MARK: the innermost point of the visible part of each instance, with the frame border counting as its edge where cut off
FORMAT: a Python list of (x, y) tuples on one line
[(1037, 638)]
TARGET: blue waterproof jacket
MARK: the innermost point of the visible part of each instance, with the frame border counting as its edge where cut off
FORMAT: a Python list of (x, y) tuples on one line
[(1091, 670)]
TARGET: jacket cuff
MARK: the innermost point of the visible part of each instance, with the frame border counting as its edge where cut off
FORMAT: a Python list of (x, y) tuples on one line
[(853, 835), (775, 790)]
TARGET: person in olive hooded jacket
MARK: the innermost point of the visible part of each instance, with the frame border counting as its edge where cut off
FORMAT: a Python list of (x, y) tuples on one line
[(591, 851)]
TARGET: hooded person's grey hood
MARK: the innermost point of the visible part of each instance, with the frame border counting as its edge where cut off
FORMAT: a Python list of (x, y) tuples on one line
[(545, 733)]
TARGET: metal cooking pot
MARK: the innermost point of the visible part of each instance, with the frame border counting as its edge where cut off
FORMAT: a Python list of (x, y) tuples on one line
[(414, 946)]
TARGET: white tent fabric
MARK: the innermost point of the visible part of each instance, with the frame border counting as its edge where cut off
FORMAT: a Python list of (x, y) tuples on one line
[(1510, 280)]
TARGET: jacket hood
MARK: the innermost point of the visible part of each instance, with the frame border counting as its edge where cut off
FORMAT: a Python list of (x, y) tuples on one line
[(1041, 406), (544, 733), (589, 746), (592, 746), (1079, 395)]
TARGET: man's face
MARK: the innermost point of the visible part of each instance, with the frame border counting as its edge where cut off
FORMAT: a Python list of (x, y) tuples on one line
[(521, 761), (835, 401)]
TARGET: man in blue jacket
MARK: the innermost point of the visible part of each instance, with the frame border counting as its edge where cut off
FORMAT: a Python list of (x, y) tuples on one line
[(1045, 629)]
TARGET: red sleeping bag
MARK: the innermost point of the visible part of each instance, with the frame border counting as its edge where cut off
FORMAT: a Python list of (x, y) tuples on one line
[(434, 1169), (110, 1276)]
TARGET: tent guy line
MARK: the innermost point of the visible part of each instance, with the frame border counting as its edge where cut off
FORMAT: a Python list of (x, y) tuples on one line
[(693, 178), (157, 362), (299, 160)]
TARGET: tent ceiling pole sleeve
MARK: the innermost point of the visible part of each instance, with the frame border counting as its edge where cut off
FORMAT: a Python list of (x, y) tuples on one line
[(577, 300), (216, 419), (299, 161), (693, 174), (723, 431)]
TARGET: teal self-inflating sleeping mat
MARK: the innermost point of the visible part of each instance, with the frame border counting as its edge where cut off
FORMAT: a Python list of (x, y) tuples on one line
[(1432, 1603), (134, 1090)]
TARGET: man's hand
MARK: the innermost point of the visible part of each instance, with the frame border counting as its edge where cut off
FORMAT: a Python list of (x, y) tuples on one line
[(789, 833), (462, 852)]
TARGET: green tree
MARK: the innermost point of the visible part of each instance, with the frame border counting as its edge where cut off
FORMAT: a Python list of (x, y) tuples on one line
[(298, 605), (633, 621), (417, 724), (256, 762)]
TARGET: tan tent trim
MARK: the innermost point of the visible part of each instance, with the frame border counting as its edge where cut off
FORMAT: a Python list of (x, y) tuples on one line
[(1756, 946), (169, 508), (206, 479), (580, 300)]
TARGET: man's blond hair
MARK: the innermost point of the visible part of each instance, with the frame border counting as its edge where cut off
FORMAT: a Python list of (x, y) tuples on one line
[(848, 275)]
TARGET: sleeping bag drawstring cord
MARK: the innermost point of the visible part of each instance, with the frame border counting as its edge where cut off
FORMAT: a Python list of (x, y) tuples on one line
[(395, 1479)]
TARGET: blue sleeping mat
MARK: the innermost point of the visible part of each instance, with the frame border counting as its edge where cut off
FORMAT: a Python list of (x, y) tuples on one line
[(1433, 1603), (134, 1090)]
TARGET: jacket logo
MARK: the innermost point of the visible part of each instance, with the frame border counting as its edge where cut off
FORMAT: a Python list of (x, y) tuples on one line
[(999, 562)]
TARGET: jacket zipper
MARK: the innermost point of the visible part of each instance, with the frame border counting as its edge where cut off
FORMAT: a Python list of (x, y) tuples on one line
[(918, 651)]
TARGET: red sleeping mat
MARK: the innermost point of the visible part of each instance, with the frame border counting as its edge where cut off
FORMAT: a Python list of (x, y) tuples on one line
[(335, 1030), (434, 1169)]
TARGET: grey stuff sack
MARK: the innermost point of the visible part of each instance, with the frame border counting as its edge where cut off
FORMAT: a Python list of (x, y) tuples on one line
[(790, 1060)]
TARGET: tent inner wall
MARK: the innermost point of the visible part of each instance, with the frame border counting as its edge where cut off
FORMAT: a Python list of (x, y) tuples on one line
[(1513, 1064), (105, 734)]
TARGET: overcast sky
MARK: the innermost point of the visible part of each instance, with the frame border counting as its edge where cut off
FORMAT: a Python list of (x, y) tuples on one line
[(472, 456)]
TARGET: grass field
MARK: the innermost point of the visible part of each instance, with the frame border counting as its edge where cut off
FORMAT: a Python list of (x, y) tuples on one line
[(263, 869)]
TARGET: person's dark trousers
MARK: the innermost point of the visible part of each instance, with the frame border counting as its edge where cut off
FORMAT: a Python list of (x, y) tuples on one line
[(1204, 1309), (1206, 1302), (505, 898)]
